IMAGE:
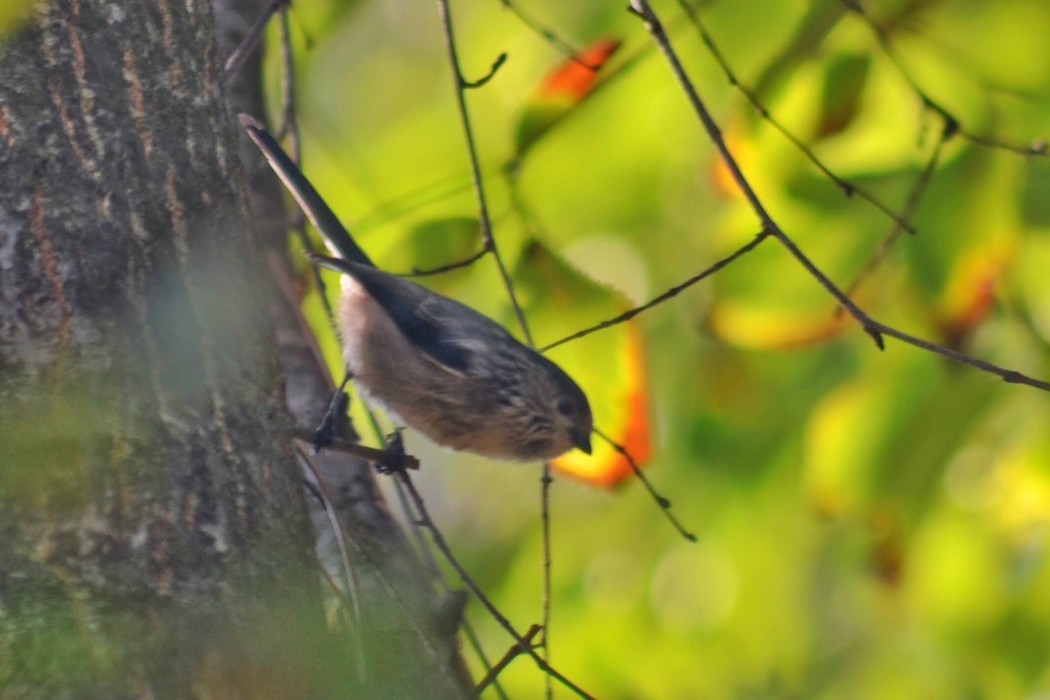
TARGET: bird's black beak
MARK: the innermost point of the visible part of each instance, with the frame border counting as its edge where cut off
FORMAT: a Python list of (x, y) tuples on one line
[(582, 441)]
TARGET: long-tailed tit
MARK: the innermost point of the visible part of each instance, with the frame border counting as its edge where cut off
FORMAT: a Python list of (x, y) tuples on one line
[(436, 365)]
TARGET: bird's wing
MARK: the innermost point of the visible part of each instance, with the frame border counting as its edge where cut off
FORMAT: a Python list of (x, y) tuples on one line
[(449, 332)]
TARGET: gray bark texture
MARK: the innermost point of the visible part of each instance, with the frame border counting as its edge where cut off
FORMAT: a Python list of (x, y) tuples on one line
[(154, 538)]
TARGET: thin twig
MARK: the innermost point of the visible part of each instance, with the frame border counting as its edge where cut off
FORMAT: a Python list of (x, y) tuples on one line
[(1037, 148), (546, 481), (529, 220), (460, 85), (237, 58), (335, 587), (662, 501), (371, 454), (289, 124), (546, 478), (467, 262), (512, 653), (485, 221), (480, 82), (428, 562), (1007, 375), (570, 52), (353, 584), (408, 202), (319, 487), (848, 188), (672, 292), (442, 545), (891, 237), (289, 127), (872, 327)]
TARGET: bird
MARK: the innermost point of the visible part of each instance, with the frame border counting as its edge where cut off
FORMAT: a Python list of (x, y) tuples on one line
[(433, 363)]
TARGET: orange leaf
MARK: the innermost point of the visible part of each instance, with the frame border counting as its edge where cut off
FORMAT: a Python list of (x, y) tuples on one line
[(605, 466), (756, 328), (971, 291), (561, 91), (575, 77)]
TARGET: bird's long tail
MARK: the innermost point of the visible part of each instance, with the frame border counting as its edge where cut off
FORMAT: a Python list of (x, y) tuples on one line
[(323, 219)]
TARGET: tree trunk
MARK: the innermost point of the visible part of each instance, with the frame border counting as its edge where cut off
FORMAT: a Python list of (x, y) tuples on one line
[(153, 534), (153, 539)]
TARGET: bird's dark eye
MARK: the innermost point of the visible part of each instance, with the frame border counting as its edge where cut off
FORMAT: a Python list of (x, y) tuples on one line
[(565, 407)]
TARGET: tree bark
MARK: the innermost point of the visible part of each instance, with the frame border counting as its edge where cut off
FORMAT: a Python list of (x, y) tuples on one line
[(153, 534), (153, 539)]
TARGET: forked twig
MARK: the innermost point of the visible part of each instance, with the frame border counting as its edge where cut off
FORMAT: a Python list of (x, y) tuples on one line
[(1036, 148), (873, 328), (848, 188), (894, 234), (439, 542), (461, 86), (512, 653)]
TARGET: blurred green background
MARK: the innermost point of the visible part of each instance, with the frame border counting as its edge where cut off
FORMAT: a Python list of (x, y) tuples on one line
[(871, 524)]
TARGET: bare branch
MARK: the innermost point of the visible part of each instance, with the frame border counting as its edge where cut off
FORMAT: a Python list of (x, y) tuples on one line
[(442, 545), (461, 85), (872, 327), (1037, 148), (848, 188)]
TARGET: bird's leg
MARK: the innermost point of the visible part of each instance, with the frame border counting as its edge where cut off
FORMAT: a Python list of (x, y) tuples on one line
[(337, 407), (394, 458)]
